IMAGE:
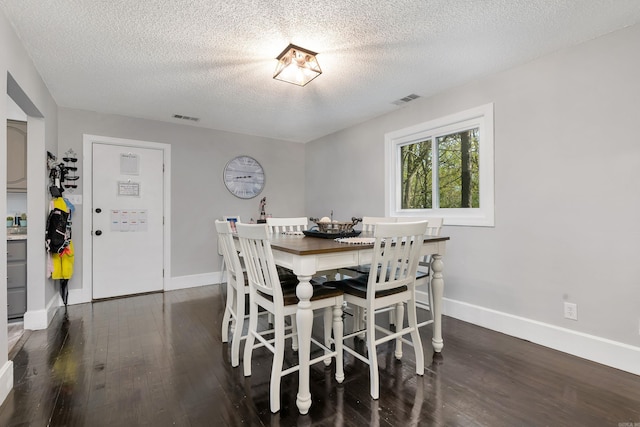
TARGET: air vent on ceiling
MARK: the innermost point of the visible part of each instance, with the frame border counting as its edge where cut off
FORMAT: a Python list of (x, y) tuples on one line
[(406, 99), (181, 117)]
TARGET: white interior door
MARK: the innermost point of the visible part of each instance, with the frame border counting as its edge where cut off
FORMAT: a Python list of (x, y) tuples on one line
[(127, 220)]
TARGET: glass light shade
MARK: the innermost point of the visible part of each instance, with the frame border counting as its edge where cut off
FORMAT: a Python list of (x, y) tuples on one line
[(297, 65)]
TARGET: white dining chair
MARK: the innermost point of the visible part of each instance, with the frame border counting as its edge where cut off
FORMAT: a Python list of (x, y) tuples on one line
[(424, 299), (294, 225), (280, 225), (237, 288), (233, 219), (423, 279), (267, 292), (368, 226), (390, 283), (369, 222)]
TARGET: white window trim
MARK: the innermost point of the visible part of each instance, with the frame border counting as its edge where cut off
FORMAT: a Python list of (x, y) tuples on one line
[(482, 216)]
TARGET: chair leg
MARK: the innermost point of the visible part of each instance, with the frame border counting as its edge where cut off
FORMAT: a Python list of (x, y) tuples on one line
[(338, 326), (251, 338), (238, 328), (226, 317), (327, 333), (399, 312), (276, 367), (358, 321), (234, 314), (392, 317), (415, 336), (372, 354)]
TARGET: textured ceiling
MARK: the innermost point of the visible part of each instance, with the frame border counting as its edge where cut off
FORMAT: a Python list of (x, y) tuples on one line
[(214, 60)]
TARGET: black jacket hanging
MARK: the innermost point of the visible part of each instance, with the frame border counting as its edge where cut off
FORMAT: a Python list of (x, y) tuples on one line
[(57, 237)]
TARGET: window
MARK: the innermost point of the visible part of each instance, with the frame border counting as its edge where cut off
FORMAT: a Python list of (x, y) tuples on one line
[(443, 168)]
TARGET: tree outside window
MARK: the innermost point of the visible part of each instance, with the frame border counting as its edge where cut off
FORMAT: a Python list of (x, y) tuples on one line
[(457, 182), (443, 168)]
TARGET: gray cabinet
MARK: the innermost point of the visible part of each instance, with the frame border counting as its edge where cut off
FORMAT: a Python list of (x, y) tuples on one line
[(16, 278), (16, 156)]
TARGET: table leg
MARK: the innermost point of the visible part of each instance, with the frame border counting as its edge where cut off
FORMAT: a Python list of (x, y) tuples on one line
[(437, 289), (304, 318)]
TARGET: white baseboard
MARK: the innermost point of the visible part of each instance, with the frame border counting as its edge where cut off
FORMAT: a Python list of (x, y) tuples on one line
[(194, 280), (6, 380), (36, 320), (601, 350), (79, 296)]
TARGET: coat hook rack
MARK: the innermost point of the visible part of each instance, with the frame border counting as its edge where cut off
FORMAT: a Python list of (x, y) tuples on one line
[(63, 175), (70, 158)]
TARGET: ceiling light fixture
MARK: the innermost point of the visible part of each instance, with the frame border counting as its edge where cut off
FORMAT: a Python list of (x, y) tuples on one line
[(297, 65)]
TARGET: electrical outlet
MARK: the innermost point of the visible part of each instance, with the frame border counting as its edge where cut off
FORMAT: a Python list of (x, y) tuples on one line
[(570, 311)]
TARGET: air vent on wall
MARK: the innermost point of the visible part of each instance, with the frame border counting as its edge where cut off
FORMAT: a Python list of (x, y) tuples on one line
[(181, 117), (406, 99)]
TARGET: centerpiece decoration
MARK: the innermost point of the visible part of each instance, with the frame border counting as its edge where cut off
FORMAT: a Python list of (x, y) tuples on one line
[(329, 228)]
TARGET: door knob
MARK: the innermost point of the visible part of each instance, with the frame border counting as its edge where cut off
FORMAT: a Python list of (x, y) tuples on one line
[(98, 210), (98, 232)]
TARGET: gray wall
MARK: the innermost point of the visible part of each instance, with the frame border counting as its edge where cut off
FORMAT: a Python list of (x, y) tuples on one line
[(566, 195), (198, 194), (29, 91)]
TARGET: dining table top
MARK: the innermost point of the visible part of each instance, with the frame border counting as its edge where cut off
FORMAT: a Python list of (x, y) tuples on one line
[(309, 245)]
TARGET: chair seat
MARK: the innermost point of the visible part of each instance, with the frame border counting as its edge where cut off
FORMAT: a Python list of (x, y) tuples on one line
[(286, 279), (286, 276), (360, 269), (320, 291), (358, 287), (366, 268)]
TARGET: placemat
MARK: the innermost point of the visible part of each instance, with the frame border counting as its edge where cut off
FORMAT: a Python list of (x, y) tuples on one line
[(357, 240)]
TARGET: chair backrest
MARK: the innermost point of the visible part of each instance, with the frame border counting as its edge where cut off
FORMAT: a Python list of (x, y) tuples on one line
[(396, 254), (258, 260), (278, 225), (433, 228), (369, 222), (235, 275)]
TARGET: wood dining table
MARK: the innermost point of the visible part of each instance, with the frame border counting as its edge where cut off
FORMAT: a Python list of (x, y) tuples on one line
[(306, 256)]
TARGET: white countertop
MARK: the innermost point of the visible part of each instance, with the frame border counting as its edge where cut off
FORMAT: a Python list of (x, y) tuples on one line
[(16, 237)]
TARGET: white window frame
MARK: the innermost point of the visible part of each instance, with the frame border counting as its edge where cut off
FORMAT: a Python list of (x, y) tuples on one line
[(481, 117)]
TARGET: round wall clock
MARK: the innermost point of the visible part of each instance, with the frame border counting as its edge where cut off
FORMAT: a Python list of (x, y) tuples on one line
[(244, 177)]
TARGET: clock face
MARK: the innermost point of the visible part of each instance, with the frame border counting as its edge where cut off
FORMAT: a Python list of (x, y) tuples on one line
[(244, 177)]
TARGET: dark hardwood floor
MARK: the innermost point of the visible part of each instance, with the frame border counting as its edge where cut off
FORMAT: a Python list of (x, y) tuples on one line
[(158, 360)]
